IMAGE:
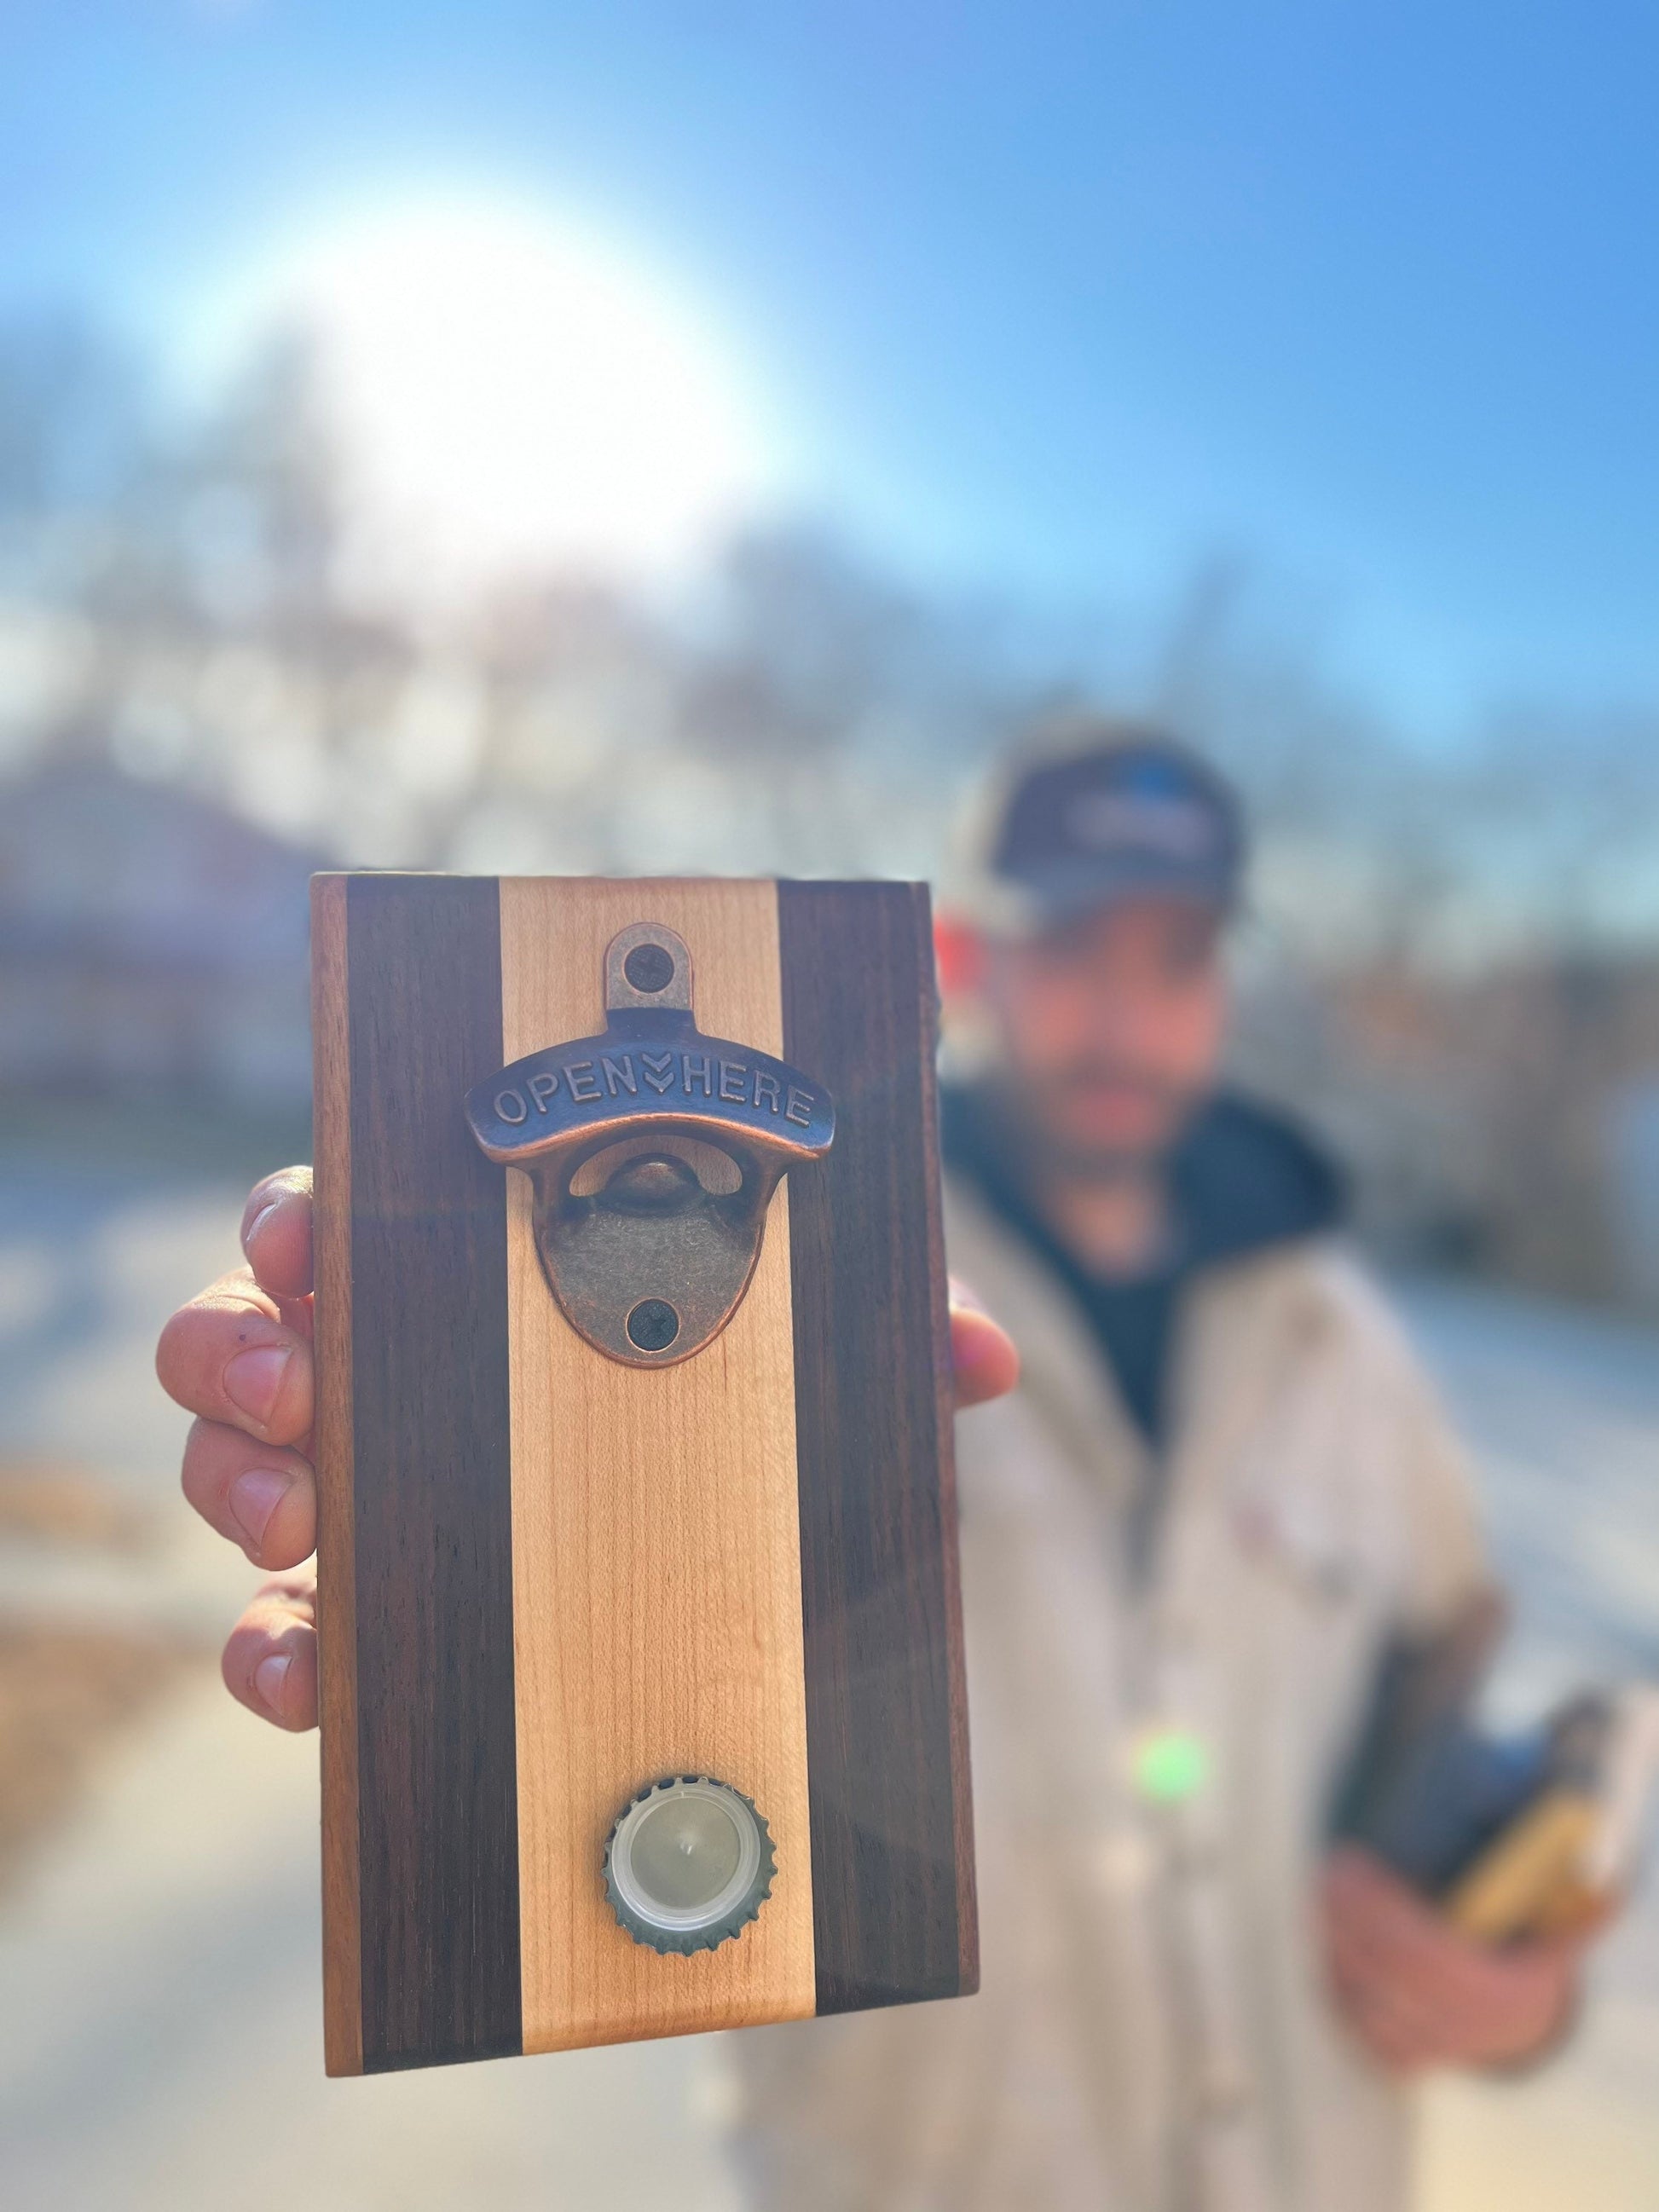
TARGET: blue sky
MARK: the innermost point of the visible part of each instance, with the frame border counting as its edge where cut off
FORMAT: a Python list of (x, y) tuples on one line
[(1059, 298)]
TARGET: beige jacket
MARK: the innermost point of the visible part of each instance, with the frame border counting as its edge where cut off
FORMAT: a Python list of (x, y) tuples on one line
[(1152, 2032)]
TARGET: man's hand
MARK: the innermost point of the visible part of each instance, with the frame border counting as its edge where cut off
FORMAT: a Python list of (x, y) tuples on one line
[(238, 1358), (1418, 1993)]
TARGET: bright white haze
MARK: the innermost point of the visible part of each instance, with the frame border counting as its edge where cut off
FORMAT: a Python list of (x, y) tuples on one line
[(512, 392)]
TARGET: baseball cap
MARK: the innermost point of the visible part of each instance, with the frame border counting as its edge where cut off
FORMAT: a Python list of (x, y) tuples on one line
[(1129, 814)]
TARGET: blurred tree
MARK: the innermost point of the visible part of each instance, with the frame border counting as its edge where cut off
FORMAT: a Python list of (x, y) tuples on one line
[(174, 606)]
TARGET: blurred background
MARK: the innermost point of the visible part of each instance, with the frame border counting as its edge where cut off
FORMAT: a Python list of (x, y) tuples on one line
[(697, 436)]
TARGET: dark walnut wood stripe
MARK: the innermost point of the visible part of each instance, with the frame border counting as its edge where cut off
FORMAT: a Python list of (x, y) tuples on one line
[(336, 1605), (438, 1821), (893, 1906), (946, 1413)]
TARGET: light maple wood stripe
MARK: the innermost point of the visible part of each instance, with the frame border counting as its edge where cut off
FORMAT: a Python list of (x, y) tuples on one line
[(656, 1559), (337, 1608)]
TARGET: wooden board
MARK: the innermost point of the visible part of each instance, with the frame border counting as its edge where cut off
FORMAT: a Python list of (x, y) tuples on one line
[(548, 1579)]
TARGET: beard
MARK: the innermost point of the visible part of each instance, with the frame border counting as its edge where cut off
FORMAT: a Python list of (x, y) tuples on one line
[(1037, 1117)]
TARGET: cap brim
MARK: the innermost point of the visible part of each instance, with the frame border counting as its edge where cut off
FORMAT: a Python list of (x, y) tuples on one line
[(1063, 895)]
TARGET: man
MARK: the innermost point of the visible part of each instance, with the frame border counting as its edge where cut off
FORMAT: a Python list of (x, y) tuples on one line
[(1220, 1492)]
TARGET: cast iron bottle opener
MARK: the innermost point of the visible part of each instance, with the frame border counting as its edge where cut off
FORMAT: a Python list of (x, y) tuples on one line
[(654, 1151)]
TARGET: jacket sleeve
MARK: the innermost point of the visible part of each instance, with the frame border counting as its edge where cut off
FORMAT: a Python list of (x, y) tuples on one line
[(1440, 1563), (1445, 1562)]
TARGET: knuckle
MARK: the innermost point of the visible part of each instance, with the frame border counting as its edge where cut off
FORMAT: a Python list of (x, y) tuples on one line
[(183, 1355), (189, 1335)]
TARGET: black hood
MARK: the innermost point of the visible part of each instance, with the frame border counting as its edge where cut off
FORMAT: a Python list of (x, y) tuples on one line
[(1244, 1178)]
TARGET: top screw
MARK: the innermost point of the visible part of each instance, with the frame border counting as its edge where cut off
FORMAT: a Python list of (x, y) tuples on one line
[(649, 967)]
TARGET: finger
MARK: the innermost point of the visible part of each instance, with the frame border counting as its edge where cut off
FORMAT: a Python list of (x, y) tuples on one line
[(1378, 1910), (1377, 1971), (1391, 2015), (984, 1362), (276, 1233), (1422, 1946), (1394, 2041), (1363, 1881), (1432, 1978), (262, 1496), (1373, 1950), (271, 1659), (227, 1356)]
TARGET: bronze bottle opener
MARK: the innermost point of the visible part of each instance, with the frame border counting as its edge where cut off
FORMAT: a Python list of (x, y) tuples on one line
[(654, 1151)]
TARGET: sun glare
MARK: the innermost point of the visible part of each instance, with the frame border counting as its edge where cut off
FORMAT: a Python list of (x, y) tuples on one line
[(512, 392)]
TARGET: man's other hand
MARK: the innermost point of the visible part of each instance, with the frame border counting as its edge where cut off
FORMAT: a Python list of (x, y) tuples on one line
[(1418, 1993), (238, 1358)]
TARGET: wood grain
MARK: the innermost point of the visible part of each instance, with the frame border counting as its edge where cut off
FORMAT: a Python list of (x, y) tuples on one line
[(894, 1917), (432, 1534), (548, 1579), (657, 1591), (336, 1607), (944, 1415)]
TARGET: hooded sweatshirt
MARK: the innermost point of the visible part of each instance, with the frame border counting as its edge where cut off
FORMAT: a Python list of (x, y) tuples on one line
[(1242, 1178)]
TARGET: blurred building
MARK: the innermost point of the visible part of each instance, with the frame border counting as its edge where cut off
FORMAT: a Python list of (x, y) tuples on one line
[(149, 942)]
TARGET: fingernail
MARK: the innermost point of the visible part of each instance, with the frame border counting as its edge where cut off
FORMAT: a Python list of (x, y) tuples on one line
[(254, 1497), (269, 1676), (253, 1378), (264, 1214)]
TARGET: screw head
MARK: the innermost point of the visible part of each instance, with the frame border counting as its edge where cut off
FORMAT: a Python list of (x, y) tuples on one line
[(649, 967), (653, 1325)]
